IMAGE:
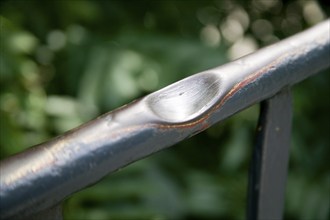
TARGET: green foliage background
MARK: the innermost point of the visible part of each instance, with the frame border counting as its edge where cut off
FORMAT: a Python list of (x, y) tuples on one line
[(63, 63)]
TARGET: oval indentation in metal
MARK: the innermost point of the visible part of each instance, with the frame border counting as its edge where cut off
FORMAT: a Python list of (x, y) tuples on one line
[(186, 99)]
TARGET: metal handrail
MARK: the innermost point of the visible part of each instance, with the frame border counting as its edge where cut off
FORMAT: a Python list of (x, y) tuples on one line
[(44, 175)]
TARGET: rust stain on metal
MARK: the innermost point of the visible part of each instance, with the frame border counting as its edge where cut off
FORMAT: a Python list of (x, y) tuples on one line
[(234, 90)]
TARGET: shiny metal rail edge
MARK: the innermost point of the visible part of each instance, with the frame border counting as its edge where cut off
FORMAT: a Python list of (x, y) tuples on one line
[(44, 175)]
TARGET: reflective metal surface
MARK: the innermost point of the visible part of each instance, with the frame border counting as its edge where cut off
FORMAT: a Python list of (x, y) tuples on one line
[(44, 175)]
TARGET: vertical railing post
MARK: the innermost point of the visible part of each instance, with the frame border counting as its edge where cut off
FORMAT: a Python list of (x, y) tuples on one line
[(269, 166)]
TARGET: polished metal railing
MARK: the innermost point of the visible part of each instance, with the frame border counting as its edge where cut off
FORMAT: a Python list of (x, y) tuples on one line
[(35, 182)]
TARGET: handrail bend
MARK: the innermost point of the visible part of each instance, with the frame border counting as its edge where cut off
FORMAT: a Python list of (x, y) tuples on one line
[(44, 175)]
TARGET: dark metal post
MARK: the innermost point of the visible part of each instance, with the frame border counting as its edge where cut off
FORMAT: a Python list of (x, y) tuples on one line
[(270, 159)]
